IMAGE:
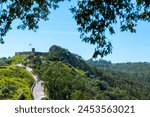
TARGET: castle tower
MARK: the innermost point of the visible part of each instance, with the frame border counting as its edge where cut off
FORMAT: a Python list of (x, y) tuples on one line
[(33, 51)]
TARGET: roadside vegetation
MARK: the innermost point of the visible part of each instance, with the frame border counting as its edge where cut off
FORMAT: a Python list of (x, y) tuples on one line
[(14, 80)]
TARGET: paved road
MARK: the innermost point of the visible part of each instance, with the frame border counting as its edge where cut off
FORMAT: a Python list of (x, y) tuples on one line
[(38, 90)]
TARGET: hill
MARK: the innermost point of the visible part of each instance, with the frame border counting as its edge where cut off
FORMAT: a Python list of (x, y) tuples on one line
[(68, 76), (139, 71)]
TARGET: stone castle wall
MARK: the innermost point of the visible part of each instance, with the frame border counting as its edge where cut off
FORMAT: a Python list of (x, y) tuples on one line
[(33, 52), (23, 53)]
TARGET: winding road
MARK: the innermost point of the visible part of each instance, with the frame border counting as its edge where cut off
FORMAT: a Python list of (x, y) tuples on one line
[(38, 87)]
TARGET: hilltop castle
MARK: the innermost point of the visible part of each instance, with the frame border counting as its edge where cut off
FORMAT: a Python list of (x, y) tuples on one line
[(33, 52)]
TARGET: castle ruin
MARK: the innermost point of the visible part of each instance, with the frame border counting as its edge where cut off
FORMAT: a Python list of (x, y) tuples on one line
[(32, 52)]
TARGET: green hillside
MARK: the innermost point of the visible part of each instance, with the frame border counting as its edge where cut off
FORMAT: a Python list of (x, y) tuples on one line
[(67, 76), (139, 71), (14, 81)]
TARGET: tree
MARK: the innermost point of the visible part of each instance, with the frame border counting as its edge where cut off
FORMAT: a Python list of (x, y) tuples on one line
[(94, 17), (30, 12)]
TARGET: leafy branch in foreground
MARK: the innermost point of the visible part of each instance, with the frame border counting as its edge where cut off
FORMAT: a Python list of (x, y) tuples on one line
[(30, 12), (96, 17)]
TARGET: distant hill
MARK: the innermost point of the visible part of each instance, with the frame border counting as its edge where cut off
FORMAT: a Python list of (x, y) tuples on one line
[(99, 63), (138, 70)]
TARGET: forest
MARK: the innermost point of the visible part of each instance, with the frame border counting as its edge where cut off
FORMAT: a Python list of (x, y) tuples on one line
[(67, 76)]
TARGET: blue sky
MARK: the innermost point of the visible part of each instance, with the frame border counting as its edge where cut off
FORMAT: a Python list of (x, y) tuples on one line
[(61, 30)]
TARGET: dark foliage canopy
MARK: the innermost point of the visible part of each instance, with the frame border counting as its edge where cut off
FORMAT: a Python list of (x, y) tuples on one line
[(30, 12), (94, 17)]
